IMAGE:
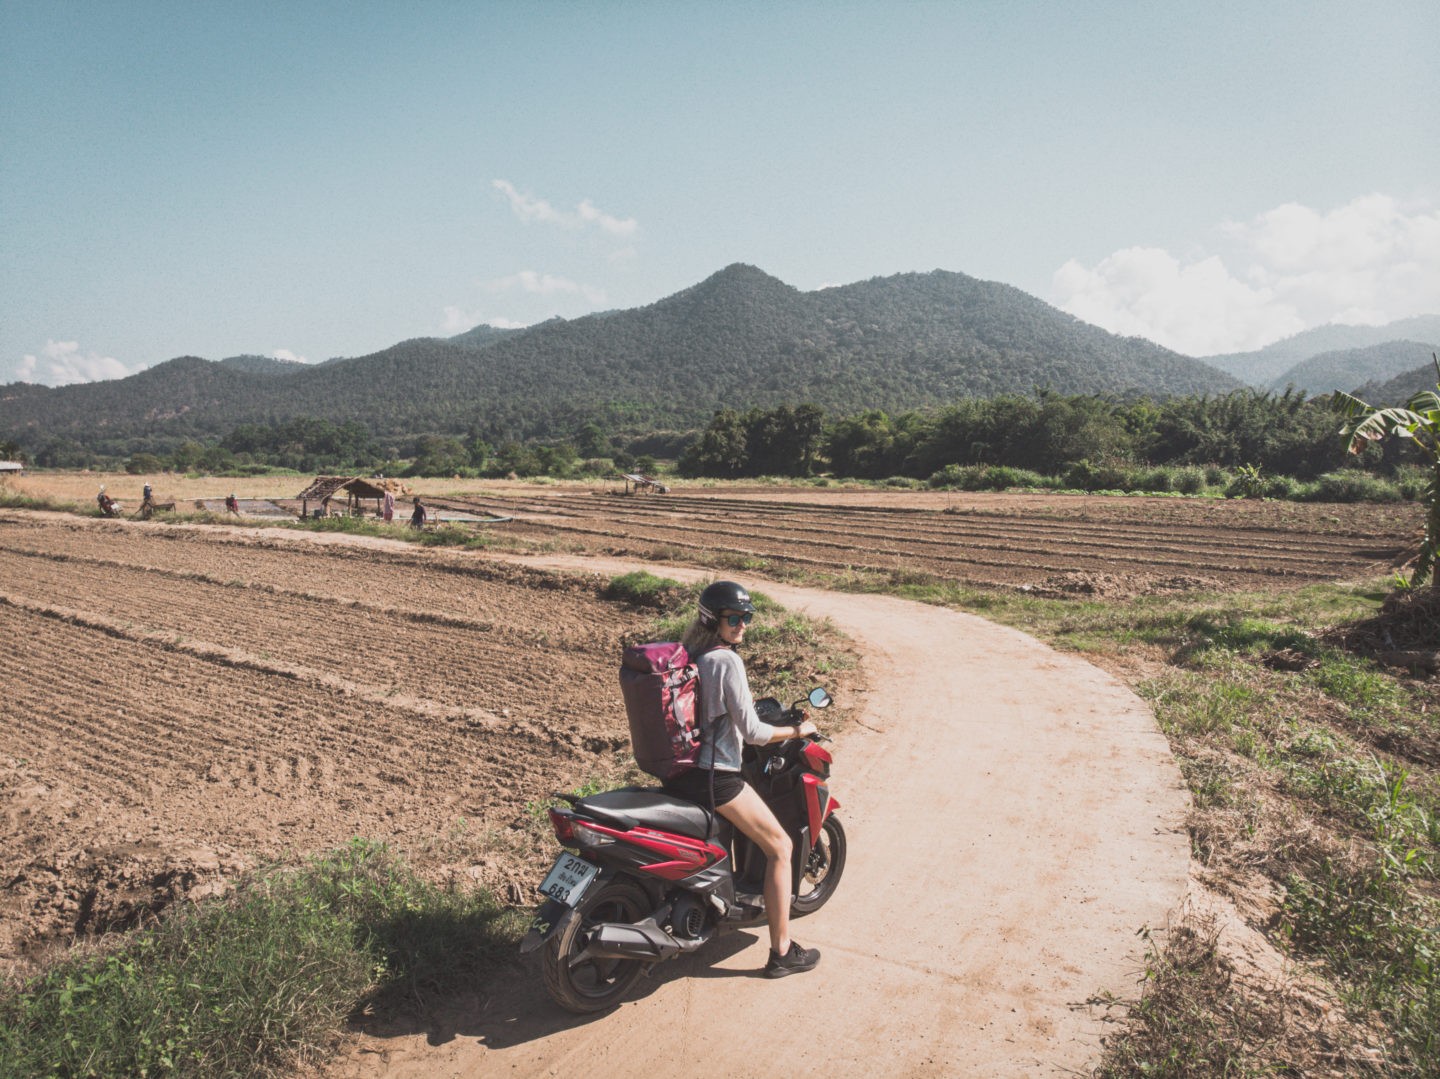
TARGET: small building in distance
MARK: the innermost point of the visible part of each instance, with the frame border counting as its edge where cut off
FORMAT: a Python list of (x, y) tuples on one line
[(12, 468), (356, 489)]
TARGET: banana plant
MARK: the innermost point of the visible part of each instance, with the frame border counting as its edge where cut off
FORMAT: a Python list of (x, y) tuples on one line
[(1418, 421)]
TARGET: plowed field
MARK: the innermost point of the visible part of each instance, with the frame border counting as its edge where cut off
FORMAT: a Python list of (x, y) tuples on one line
[(179, 703), (1132, 545)]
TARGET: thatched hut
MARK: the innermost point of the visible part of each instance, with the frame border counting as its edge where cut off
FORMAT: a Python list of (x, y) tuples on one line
[(356, 489)]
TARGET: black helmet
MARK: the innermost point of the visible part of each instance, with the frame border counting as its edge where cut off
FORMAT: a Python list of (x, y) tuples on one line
[(723, 596)]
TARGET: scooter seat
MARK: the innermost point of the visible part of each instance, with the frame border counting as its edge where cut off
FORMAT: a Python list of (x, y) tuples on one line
[(647, 807)]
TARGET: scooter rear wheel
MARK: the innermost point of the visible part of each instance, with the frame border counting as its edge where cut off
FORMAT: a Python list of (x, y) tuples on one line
[(823, 867), (595, 984)]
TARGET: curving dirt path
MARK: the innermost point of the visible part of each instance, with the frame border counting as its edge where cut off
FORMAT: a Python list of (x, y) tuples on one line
[(1015, 819)]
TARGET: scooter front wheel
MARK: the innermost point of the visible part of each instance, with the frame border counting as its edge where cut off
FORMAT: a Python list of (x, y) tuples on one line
[(823, 867), (594, 984)]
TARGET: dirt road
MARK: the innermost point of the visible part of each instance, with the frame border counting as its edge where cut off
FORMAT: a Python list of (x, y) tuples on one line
[(1015, 818)]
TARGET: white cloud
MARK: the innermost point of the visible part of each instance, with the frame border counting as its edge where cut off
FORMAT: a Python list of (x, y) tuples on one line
[(458, 320), (528, 207), (1372, 260), (61, 363), (544, 284), (288, 356)]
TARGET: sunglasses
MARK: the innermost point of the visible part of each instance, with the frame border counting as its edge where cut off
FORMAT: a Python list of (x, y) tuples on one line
[(733, 620)]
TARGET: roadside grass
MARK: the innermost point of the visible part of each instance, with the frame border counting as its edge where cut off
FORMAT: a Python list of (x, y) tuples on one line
[(1311, 768), (256, 982), (1189, 1022)]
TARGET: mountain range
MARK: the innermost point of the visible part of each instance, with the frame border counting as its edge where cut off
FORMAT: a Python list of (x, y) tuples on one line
[(1284, 362), (741, 338)]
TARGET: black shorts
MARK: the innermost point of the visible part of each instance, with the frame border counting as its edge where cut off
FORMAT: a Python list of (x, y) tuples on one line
[(694, 786)]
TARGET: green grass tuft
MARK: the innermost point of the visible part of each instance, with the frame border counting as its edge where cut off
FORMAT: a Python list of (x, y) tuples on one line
[(249, 984)]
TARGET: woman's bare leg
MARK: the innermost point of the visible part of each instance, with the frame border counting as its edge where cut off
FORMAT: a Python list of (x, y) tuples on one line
[(751, 815)]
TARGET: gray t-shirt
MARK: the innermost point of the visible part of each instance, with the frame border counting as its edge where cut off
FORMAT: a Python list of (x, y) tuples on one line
[(725, 691)]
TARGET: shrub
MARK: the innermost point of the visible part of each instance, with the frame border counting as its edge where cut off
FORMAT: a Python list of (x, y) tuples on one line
[(1001, 477), (1412, 481), (1156, 479), (141, 463), (1190, 480), (1349, 486), (1084, 476), (949, 476), (1246, 483), (595, 466), (1281, 487)]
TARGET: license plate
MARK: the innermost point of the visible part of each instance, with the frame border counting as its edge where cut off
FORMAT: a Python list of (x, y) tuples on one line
[(568, 879)]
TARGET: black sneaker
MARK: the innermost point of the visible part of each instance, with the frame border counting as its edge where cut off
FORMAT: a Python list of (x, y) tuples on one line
[(795, 961)]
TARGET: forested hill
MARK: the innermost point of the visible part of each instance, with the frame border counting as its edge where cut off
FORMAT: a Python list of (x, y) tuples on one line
[(1268, 365), (1399, 390), (1351, 368), (740, 338)]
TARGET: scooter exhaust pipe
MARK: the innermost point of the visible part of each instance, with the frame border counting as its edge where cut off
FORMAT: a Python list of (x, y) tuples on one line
[(636, 940)]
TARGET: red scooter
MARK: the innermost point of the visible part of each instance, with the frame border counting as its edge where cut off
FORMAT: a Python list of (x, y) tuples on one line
[(653, 876)]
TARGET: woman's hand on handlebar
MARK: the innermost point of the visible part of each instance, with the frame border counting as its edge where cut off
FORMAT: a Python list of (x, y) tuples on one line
[(806, 728)]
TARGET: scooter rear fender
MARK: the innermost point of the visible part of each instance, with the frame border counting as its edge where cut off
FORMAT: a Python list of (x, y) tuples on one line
[(551, 917)]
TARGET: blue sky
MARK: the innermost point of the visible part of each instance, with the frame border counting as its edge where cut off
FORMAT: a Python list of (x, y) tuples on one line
[(322, 179)]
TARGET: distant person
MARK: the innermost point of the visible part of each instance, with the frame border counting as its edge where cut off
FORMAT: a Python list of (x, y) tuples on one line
[(148, 496), (418, 515), (232, 504), (387, 509)]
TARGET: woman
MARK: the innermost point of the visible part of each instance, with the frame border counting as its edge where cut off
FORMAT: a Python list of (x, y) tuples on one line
[(727, 715)]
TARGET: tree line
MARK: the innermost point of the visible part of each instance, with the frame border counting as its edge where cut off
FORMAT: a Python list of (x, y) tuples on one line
[(1046, 433)]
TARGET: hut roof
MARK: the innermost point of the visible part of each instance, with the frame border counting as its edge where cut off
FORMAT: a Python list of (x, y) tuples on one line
[(326, 486)]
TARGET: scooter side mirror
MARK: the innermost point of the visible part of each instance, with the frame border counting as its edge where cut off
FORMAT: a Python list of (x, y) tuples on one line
[(819, 698)]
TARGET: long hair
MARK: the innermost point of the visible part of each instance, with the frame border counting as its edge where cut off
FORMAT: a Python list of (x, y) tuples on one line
[(699, 638)]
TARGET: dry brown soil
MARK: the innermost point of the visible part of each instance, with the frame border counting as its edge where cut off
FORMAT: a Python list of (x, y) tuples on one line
[(1056, 543), (180, 703)]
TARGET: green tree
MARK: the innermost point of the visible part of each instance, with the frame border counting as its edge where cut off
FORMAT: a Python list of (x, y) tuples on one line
[(720, 450), (437, 455), (1418, 421)]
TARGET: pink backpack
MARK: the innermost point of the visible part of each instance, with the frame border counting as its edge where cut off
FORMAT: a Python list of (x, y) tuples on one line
[(658, 683)]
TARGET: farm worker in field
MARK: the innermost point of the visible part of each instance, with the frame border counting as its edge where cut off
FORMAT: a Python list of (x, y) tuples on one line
[(724, 705), (147, 497), (418, 516), (232, 504), (388, 506)]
